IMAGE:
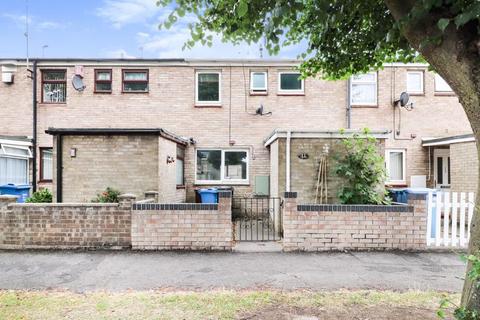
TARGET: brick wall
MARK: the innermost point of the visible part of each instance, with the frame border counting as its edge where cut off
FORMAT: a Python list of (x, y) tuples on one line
[(463, 167), (353, 227), (63, 226), (183, 226)]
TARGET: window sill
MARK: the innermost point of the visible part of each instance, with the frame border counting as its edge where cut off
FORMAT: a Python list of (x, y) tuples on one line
[(102, 92), (445, 94), (364, 106), (207, 105), (136, 92), (52, 103), (220, 183), (416, 93), (258, 93), (180, 187), (290, 93), (45, 181)]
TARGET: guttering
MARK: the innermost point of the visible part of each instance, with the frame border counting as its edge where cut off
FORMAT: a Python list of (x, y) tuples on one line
[(328, 134), (431, 142), (34, 126), (287, 162)]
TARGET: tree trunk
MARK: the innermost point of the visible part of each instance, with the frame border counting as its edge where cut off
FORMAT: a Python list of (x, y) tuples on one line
[(457, 60)]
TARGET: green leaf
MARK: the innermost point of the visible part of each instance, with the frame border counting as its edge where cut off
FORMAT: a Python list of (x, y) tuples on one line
[(443, 24), (242, 8)]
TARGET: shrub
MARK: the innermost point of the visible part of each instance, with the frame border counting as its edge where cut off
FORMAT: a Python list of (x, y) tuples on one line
[(41, 196), (110, 195), (362, 169)]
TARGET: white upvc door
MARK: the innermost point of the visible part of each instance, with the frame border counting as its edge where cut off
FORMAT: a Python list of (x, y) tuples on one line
[(441, 168)]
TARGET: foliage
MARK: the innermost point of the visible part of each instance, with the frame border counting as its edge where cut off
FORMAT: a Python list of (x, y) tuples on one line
[(41, 196), (110, 195), (462, 313), (363, 172), (343, 37)]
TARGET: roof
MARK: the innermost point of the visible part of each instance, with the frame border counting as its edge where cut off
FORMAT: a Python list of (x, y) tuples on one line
[(324, 134), (117, 131), (445, 141)]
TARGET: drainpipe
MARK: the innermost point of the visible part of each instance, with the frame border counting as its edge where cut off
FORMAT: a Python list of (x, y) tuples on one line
[(59, 167), (287, 162), (349, 106), (34, 126)]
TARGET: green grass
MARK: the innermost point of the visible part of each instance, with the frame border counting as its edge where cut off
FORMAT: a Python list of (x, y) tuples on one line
[(195, 305)]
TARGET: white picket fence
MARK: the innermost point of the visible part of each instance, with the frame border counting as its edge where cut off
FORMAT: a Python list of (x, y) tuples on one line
[(449, 218)]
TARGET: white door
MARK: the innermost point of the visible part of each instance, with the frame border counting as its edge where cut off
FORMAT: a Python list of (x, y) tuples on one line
[(441, 168)]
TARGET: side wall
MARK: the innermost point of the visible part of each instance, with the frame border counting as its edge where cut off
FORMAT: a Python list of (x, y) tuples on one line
[(353, 227), (183, 226), (463, 167), (64, 226), (167, 186)]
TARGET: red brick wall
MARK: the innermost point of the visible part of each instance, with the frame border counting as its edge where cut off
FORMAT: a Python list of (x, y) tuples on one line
[(64, 226), (343, 227)]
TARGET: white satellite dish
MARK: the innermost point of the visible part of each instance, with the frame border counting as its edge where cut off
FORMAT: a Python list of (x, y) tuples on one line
[(77, 83)]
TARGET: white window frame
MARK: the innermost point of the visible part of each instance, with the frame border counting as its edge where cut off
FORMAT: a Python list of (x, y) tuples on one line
[(259, 90), (421, 73), (208, 103), (286, 91), (438, 77), (404, 166), (223, 180), (10, 155), (353, 82)]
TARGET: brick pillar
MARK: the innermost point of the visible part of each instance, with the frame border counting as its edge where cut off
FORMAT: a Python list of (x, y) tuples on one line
[(151, 195), (6, 199), (126, 200), (225, 201), (289, 218), (420, 216), (225, 213)]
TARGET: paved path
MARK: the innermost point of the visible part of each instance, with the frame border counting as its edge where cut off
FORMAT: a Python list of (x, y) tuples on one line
[(86, 271)]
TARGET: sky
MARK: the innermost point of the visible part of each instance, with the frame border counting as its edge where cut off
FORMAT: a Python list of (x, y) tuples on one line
[(106, 29)]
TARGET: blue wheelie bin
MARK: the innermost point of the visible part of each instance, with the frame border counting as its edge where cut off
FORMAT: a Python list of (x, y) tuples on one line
[(208, 195), (22, 191)]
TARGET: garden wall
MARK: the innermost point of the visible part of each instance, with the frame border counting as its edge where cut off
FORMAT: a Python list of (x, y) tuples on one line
[(63, 226), (354, 227), (183, 226)]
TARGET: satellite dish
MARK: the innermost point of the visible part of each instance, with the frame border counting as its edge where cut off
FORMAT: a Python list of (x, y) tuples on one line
[(77, 83), (259, 110), (404, 97)]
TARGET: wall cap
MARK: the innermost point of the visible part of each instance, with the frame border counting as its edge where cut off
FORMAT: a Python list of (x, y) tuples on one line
[(290, 195)]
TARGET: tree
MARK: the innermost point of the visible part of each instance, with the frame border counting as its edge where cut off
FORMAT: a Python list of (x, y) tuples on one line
[(346, 37)]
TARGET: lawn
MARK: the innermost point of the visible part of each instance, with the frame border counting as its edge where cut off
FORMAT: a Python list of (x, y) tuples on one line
[(220, 304)]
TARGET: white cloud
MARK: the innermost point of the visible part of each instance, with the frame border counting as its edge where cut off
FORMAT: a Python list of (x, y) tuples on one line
[(49, 25), (122, 12), (20, 20), (119, 54)]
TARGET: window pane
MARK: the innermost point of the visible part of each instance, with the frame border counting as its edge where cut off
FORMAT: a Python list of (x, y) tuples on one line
[(104, 75), (135, 86), (180, 168), (414, 82), (439, 170), (19, 152), (138, 76), (396, 166), (208, 164), (103, 86), (363, 94), (259, 81), (54, 92), (290, 81), (54, 75), (47, 165), (13, 171), (441, 85), (208, 87), (236, 165)]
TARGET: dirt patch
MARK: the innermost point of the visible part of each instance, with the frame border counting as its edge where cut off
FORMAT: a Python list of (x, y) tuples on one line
[(377, 312)]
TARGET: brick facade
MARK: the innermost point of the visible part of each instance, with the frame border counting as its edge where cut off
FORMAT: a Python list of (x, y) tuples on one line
[(463, 167), (170, 104), (63, 226), (351, 227), (183, 226)]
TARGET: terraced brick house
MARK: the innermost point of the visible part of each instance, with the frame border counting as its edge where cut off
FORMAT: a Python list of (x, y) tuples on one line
[(77, 126)]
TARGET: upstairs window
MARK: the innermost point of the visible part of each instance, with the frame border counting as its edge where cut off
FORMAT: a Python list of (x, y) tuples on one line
[(135, 81), (54, 86), (258, 82), (207, 88), (290, 83), (415, 82), (222, 166), (442, 85), (363, 89), (46, 164), (103, 81)]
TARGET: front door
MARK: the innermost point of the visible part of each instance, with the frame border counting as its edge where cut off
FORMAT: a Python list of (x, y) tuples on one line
[(441, 168)]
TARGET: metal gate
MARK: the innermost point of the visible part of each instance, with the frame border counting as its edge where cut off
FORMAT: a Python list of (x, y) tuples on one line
[(257, 219)]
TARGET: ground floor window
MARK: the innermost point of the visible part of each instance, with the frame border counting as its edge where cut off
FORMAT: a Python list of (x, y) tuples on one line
[(395, 165), (14, 164), (221, 166), (46, 164)]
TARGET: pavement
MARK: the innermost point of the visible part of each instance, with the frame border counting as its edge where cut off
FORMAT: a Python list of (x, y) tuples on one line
[(82, 271)]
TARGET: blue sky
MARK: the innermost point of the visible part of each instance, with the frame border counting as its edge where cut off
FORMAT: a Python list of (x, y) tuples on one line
[(105, 29)]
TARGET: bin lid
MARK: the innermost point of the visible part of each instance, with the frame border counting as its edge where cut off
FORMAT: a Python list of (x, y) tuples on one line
[(209, 190), (15, 186), (420, 190)]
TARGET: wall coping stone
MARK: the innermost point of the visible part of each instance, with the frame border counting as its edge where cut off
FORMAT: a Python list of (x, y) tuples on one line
[(225, 194), (412, 196), (175, 206), (354, 208), (290, 194), (84, 205)]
